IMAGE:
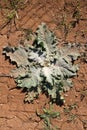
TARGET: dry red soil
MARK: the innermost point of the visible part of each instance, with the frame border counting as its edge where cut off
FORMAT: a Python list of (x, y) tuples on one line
[(68, 19)]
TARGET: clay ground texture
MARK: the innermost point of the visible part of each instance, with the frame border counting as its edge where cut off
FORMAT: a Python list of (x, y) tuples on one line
[(68, 19)]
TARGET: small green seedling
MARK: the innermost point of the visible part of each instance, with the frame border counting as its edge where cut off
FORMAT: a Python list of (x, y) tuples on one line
[(47, 115)]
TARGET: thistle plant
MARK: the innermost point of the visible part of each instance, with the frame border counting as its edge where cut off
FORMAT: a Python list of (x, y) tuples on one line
[(43, 66)]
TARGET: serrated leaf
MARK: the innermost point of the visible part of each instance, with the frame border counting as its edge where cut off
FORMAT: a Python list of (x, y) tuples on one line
[(52, 93), (64, 62), (33, 79), (47, 39), (17, 55), (36, 57), (19, 72), (26, 83), (30, 96)]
